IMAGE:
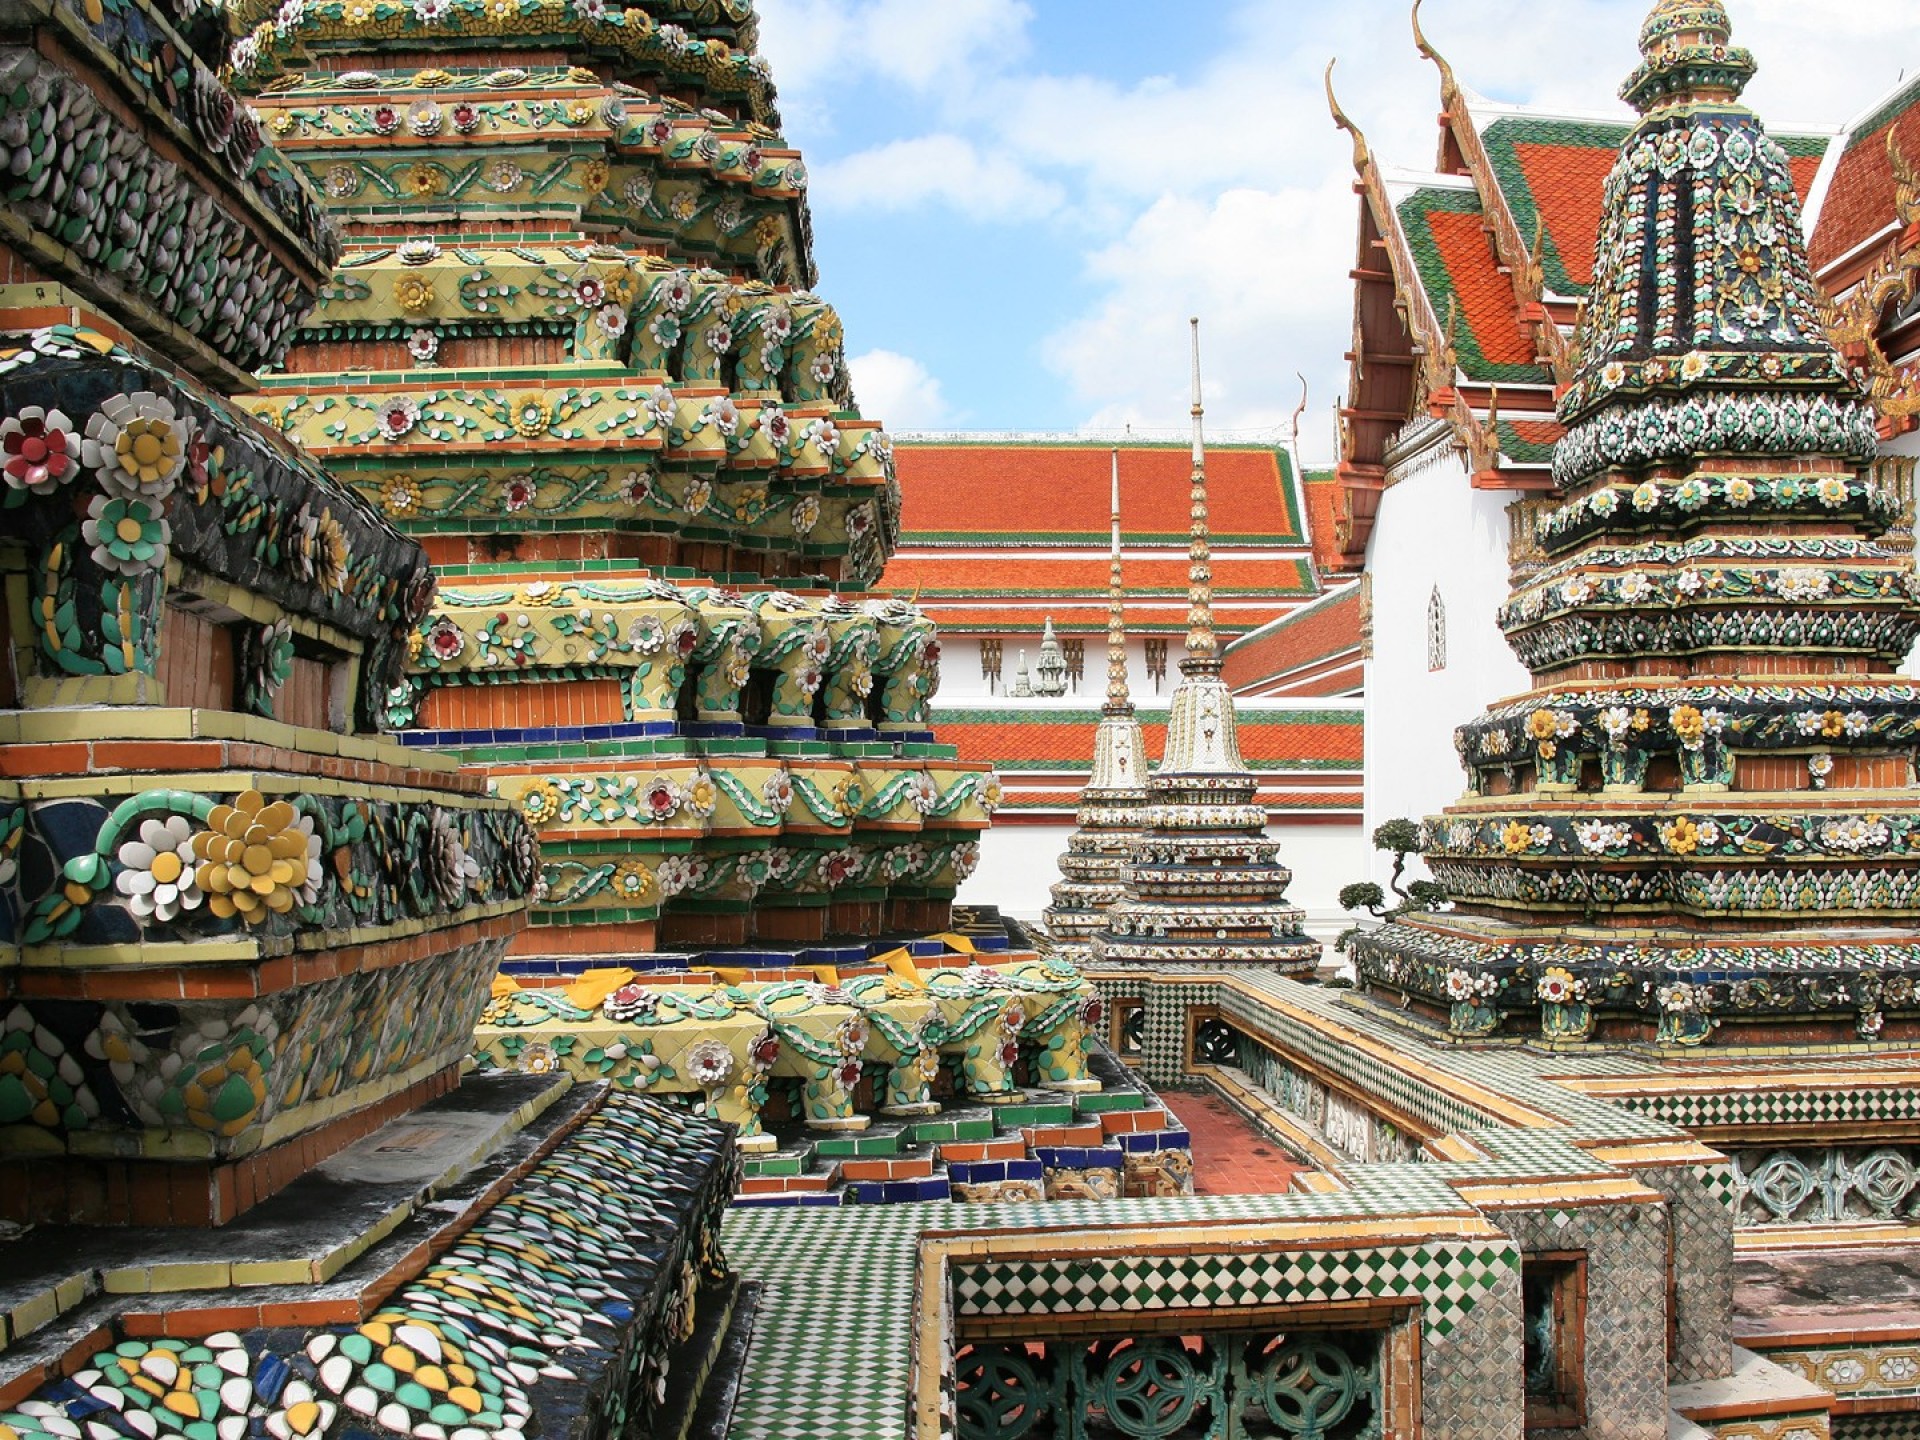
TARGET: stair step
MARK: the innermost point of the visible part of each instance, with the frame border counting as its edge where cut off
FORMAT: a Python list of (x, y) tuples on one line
[(1132, 1122), (1082, 1137), (896, 1192), (981, 1172), (1018, 1117), (1007, 1147), (786, 1184), (934, 1132), (887, 1142), (902, 1168), (783, 1162), (807, 1200), (1103, 1101)]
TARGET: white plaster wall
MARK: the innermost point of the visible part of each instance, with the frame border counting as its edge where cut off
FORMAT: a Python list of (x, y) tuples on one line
[(1432, 529), (1019, 864), (960, 677)]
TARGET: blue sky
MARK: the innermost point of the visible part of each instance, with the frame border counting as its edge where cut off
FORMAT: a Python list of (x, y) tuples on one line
[(1017, 202)]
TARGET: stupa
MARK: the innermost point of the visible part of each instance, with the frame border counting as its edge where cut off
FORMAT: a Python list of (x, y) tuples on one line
[(1052, 667), (1204, 884), (1700, 817), (572, 350), (1110, 816)]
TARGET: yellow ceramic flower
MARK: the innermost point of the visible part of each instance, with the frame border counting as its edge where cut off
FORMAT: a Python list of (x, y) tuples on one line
[(502, 9), (281, 123), (1688, 723), (357, 12), (335, 556), (1682, 837), (540, 802), (1541, 725), (423, 179), (431, 79), (634, 883), (531, 417), (594, 178), (413, 293), (1516, 837), (400, 496), (256, 858), (579, 112)]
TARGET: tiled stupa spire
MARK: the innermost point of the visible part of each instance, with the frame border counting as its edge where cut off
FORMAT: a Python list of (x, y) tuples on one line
[(1111, 807), (574, 349), (1700, 816), (1205, 884)]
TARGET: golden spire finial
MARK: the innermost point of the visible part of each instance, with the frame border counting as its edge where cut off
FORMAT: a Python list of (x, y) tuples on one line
[(1449, 87), (1203, 651), (1119, 701), (1361, 157)]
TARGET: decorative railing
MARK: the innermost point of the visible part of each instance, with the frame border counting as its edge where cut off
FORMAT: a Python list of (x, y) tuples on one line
[(1816, 1186), (1257, 1386)]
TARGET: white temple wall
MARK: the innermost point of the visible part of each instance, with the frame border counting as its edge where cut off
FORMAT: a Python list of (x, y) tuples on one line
[(960, 677), (1433, 533)]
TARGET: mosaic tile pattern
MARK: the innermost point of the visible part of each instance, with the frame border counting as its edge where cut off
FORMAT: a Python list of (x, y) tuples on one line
[(555, 1313)]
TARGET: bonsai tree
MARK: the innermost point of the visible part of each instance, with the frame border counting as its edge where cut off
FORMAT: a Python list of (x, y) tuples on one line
[(1399, 838)]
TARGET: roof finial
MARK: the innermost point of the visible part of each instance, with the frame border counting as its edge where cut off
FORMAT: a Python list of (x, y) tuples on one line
[(1449, 87), (1361, 157), (1203, 653), (1119, 701), (1301, 408)]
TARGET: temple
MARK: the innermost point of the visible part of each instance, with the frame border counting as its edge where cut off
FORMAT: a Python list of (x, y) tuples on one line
[(993, 571), (483, 953)]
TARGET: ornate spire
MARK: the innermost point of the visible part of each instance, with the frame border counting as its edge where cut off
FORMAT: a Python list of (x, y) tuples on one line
[(1203, 649), (1687, 53), (1703, 336), (1119, 701)]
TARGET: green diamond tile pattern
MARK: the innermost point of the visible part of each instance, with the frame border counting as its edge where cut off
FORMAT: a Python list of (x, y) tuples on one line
[(1447, 1277), (831, 1343)]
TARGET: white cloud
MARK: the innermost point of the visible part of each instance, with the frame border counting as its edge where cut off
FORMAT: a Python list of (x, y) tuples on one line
[(1235, 260), (815, 46), (1222, 187), (947, 169), (898, 391)]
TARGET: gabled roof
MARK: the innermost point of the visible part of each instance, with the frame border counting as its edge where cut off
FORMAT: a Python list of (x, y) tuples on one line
[(1315, 650), (1467, 285), (1026, 491), (1859, 200)]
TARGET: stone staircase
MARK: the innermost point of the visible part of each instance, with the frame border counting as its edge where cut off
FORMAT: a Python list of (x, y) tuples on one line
[(1045, 1145)]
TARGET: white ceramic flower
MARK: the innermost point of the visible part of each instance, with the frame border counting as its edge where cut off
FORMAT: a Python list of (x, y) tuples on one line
[(709, 1064), (158, 878)]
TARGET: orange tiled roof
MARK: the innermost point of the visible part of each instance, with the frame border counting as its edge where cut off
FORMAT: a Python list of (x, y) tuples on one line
[(1310, 636), (1860, 200), (1034, 492), (1485, 295), (939, 574), (1566, 182), (1016, 738)]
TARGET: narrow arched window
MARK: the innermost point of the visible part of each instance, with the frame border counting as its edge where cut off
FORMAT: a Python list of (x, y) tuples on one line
[(1436, 631)]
